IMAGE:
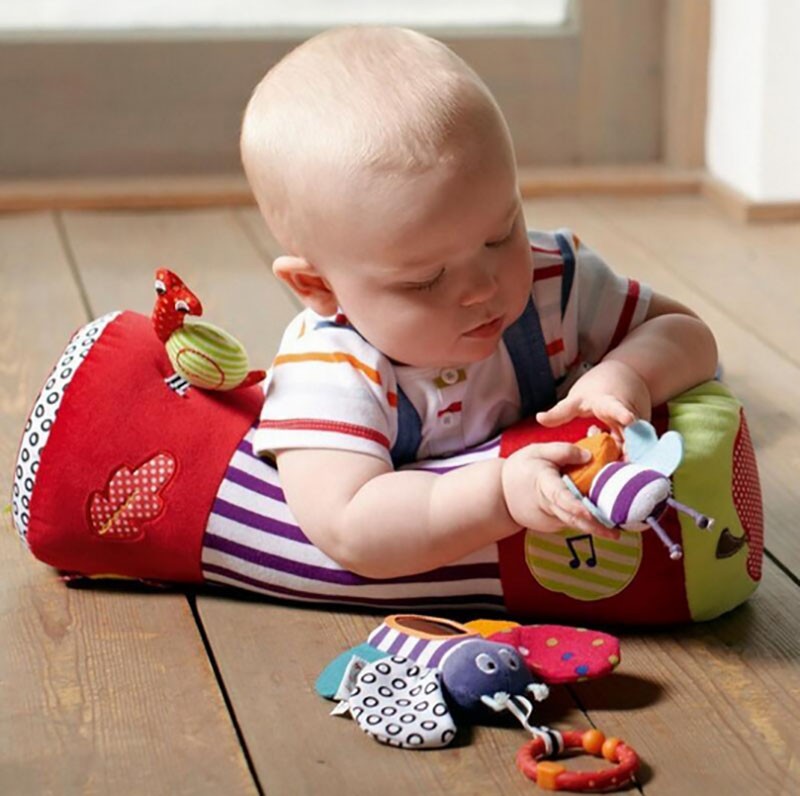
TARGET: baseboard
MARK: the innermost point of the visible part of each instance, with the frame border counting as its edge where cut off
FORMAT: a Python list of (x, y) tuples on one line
[(645, 179), (232, 190), (125, 193), (743, 209)]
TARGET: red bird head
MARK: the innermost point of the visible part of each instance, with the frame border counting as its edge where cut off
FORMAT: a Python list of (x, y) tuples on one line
[(174, 301)]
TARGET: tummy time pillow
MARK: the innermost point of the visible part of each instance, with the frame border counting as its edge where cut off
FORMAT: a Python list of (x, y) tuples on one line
[(127, 468)]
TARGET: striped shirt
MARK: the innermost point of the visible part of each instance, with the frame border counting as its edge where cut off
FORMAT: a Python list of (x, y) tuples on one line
[(329, 388)]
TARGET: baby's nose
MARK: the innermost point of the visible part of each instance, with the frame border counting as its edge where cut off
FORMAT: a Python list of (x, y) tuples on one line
[(481, 286)]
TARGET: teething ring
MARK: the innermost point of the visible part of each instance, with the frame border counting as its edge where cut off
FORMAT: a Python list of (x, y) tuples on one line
[(550, 775)]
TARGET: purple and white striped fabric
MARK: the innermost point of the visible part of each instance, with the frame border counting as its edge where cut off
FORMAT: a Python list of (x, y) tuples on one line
[(622, 490), (426, 650), (252, 542)]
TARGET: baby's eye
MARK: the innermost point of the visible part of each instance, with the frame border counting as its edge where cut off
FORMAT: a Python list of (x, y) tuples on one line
[(429, 285), (494, 244)]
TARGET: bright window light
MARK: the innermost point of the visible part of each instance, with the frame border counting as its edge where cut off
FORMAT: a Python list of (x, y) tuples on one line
[(120, 15)]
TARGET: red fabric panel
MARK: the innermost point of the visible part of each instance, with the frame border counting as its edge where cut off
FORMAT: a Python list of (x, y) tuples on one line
[(657, 593), (118, 412)]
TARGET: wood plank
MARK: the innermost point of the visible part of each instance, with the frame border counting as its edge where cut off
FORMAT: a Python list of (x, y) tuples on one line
[(119, 252), (100, 691), (725, 720), (766, 381), (272, 654), (736, 266)]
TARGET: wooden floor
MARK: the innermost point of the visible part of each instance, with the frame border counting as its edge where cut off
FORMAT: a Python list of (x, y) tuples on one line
[(119, 690)]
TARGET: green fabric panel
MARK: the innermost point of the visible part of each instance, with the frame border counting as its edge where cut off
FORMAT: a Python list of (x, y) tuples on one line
[(708, 417)]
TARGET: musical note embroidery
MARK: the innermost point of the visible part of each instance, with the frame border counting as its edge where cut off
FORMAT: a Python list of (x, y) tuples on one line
[(575, 561)]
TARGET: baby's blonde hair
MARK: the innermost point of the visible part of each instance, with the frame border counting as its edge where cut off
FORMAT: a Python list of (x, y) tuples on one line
[(350, 99)]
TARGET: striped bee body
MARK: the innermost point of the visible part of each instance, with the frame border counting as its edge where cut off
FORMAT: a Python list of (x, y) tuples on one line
[(626, 492), (633, 494)]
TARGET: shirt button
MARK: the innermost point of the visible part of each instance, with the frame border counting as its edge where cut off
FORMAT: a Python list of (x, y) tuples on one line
[(447, 420), (449, 376)]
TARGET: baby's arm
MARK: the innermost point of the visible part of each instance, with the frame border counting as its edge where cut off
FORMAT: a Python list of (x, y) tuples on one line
[(670, 352), (382, 523)]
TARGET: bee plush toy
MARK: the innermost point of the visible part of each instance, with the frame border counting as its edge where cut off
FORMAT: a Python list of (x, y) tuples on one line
[(633, 493)]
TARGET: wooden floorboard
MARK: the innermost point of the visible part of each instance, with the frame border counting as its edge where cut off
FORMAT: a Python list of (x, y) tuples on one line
[(101, 691), (272, 656), (712, 708)]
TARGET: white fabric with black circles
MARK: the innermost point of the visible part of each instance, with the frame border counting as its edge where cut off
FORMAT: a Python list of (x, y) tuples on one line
[(43, 415), (400, 703)]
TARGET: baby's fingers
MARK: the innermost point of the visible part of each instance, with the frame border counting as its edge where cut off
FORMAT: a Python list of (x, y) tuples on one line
[(614, 413), (560, 454), (568, 509), (564, 411)]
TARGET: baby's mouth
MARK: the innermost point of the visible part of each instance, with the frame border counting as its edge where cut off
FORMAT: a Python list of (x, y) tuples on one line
[(488, 329)]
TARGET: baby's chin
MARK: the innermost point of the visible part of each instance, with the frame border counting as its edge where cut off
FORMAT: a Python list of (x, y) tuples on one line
[(465, 355)]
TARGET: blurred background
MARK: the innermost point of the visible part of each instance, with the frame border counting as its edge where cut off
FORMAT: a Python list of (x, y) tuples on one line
[(648, 95)]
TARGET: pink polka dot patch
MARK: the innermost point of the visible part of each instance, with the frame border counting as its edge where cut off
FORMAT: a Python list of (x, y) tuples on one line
[(131, 498), (747, 498), (558, 654)]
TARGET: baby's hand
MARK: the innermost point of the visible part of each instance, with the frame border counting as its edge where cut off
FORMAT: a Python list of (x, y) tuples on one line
[(538, 498), (611, 391)]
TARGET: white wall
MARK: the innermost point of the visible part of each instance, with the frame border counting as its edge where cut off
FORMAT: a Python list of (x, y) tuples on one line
[(753, 129)]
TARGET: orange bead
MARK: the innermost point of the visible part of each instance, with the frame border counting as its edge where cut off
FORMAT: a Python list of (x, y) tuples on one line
[(546, 773), (592, 741), (610, 749)]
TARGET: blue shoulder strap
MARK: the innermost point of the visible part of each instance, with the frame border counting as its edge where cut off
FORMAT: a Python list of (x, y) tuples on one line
[(525, 343), (568, 274), (409, 431)]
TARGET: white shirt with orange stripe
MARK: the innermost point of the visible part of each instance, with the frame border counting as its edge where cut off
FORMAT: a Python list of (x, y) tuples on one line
[(329, 388)]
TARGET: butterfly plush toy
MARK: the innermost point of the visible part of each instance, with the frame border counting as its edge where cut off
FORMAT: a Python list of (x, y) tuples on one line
[(417, 677), (633, 493)]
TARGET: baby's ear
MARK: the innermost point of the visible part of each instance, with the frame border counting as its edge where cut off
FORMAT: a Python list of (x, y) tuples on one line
[(306, 283)]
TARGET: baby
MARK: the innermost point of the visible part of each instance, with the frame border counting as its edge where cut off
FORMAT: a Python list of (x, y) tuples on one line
[(434, 319)]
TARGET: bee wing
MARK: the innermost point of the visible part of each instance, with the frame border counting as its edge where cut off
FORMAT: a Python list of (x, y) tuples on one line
[(663, 455), (593, 510), (597, 514)]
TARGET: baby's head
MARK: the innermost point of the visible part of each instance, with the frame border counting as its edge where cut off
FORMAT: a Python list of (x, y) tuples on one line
[(384, 168)]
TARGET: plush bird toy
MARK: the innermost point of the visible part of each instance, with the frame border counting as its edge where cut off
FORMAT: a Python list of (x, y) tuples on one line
[(203, 355)]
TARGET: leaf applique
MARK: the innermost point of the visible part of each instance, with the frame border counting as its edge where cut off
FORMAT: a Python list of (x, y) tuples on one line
[(131, 499)]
